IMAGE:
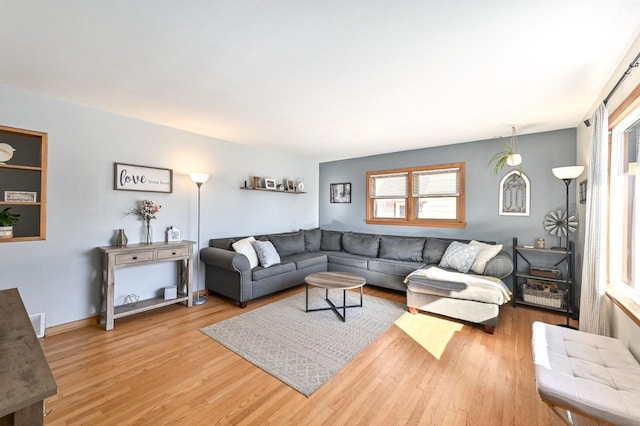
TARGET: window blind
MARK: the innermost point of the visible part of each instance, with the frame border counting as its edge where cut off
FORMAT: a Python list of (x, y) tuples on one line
[(437, 183), (393, 185)]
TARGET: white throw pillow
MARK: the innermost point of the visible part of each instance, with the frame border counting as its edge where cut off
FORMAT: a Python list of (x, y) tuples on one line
[(266, 253), (244, 246), (487, 252), (459, 256)]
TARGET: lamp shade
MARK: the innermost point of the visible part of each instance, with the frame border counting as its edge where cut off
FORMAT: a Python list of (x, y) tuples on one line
[(199, 177), (568, 172)]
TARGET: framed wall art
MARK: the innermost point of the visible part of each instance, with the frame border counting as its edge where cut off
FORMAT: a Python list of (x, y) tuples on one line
[(130, 177), (583, 191), (340, 192), (515, 194)]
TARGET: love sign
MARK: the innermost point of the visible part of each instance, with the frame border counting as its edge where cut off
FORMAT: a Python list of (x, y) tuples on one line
[(129, 177)]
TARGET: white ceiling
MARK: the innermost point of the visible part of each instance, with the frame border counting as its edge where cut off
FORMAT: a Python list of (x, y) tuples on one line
[(328, 79)]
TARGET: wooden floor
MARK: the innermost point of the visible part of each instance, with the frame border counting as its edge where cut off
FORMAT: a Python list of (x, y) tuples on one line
[(158, 368)]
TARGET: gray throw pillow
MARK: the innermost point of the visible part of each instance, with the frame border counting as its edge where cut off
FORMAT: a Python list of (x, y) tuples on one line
[(312, 238), (331, 240), (288, 244), (459, 256), (266, 252), (434, 250), (364, 245), (401, 248)]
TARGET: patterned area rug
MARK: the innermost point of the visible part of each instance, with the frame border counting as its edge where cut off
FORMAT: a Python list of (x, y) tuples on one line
[(304, 350)]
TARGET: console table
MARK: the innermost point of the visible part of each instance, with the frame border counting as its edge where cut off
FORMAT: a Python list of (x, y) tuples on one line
[(25, 377), (143, 254)]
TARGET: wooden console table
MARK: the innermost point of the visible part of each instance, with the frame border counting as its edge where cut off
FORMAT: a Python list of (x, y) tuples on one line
[(144, 254), (25, 377)]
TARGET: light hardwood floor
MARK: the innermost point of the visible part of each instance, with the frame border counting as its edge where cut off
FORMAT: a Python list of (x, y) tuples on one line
[(158, 368)]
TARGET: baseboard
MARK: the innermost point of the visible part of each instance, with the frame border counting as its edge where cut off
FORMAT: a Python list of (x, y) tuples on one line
[(73, 325)]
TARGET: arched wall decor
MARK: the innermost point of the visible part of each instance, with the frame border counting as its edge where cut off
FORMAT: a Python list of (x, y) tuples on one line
[(515, 190)]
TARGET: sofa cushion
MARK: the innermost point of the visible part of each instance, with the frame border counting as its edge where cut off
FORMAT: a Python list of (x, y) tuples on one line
[(487, 252), (312, 239), (393, 267), (306, 260), (396, 248), (434, 250), (361, 244), (289, 243), (261, 273), (459, 256), (348, 259), (244, 246), (266, 252), (331, 240)]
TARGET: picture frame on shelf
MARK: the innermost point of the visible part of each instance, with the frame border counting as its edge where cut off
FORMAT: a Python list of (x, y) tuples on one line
[(269, 183), (289, 185), (20, 196), (132, 177), (340, 192)]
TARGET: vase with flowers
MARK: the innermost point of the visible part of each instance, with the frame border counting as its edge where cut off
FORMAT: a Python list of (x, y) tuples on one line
[(146, 211)]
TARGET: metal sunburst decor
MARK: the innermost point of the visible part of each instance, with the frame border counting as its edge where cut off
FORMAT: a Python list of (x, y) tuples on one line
[(555, 220)]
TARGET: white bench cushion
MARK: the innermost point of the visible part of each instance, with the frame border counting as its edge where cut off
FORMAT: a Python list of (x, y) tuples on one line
[(586, 373)]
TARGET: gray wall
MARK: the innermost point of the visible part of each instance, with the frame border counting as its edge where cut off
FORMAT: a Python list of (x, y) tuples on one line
[(541, 152), (60, 276)]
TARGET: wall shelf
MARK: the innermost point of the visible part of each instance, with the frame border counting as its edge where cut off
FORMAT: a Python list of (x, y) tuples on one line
[(26, 171), (271, 190)]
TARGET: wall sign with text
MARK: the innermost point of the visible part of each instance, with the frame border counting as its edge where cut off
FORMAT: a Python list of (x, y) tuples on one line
[(129, 177)]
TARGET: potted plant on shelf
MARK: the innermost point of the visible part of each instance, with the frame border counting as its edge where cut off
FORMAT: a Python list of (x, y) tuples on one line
[(7, 220)]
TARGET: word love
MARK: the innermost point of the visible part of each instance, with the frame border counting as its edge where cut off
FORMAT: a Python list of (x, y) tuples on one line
[(134, 179)]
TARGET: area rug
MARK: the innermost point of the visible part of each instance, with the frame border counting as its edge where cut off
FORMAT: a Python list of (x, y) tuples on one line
[(304, 350)]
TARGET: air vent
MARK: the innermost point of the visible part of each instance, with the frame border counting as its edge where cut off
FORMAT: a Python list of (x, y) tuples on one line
[(37, 321)]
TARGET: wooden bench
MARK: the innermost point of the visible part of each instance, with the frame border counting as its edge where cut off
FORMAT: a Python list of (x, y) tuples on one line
[(586, 374)]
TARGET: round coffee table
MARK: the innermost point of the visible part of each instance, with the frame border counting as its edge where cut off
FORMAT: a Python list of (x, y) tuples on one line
[(334, 280)]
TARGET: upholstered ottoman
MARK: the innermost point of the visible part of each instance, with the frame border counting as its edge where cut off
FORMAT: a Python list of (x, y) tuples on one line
[(587, 374), (467, 297)]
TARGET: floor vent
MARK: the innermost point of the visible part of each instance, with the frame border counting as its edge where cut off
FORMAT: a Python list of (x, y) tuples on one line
[(37, 321)]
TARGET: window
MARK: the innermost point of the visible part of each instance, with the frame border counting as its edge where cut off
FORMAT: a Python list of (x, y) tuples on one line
[(624, 208), (419, 196)]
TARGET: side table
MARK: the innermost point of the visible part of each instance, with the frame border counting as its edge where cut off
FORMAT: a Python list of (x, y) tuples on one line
[(143, 254)]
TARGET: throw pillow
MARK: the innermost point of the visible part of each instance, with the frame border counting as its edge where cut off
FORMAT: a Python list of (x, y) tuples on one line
[(487, 252), (244, 246), (312, 238), (266, 252), (459, 256)]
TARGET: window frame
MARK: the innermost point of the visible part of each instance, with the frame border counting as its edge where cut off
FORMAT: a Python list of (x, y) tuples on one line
[(623, 296), (411, 218)]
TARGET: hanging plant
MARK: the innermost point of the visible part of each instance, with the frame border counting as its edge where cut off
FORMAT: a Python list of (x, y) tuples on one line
[(508, 156)]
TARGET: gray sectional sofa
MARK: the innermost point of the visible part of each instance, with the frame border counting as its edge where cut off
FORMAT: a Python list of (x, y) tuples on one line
[(384, 261)]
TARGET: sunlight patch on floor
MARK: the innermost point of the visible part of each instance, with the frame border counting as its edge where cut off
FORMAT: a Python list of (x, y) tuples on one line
[(431, 333)]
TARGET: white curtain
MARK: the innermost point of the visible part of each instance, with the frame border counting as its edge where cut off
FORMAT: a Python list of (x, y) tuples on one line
[(593, 317)]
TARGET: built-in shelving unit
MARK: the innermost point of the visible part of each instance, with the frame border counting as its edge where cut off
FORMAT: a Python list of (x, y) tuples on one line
[(25, 172), (272, 190)]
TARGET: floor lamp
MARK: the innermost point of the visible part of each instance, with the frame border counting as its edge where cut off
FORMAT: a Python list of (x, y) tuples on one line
[(567, 174), (199, 179)]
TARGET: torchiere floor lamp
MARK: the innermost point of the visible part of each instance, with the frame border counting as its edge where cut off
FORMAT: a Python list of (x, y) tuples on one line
[(567, 174), (199, 179)]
